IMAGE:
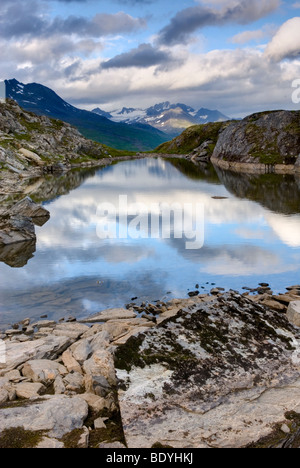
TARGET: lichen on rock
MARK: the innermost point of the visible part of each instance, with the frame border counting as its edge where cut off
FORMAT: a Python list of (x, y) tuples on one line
[(206, 376)]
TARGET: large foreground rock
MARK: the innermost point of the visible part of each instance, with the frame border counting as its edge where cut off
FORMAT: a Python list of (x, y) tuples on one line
[(219, 374), (58, 415)]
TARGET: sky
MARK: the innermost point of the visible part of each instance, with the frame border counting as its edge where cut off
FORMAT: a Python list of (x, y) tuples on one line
[(237, 56)]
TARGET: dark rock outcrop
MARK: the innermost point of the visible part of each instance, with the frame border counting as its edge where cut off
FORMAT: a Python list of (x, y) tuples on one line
[(263, 138)]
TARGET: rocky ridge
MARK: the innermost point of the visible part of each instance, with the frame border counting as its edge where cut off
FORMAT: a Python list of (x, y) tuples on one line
[(31, 145), (267, 138), (262, 142), (214, 370)]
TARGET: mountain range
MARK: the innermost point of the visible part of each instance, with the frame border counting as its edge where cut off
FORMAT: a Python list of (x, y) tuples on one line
[(41, 100), (126, 129), (169, 118)]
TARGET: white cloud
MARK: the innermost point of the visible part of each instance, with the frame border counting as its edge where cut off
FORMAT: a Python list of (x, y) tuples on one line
[(287, 229), (247, 36), (286, 42)]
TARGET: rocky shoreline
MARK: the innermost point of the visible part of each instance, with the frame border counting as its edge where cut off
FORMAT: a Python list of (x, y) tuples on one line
[(256, 168), (213, 370)]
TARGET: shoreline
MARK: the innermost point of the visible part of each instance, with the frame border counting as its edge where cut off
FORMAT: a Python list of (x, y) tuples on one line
[(87, 369), (251, 168)]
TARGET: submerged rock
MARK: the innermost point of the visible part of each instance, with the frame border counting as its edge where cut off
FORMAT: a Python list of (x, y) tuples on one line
[(217, 374)]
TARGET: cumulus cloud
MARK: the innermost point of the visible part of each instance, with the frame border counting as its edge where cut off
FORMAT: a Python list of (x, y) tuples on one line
[(143, 56), (189, 20), (286, 42)]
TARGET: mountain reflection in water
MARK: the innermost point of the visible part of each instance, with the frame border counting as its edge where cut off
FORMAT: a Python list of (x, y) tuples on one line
[(252, 234)]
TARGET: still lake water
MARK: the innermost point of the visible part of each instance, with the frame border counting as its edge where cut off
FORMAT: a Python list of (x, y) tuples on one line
[(252, 235)]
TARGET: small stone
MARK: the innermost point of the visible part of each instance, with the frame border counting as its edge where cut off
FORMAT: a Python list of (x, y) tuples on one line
[(95, 402), (97, 385), (44, 324), (285, 429), (44, 316), (4, 396), (81, 351), (193, 293), (71, 319), (99, 423), (25, 322), (12, 332), (29, 390), (59, 386), (74, 382), (29, 331), (70, 363)]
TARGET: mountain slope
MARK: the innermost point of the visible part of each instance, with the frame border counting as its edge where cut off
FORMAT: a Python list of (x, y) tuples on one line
[(193, 138), (36, 144), (266, 138), (41, 100), (170, 118)]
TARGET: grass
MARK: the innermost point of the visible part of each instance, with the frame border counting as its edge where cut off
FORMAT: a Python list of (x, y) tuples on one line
[(18, 437)]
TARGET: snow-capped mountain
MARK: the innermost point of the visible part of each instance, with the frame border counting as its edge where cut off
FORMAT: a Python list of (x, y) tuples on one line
[(41, 100), (170, 118)]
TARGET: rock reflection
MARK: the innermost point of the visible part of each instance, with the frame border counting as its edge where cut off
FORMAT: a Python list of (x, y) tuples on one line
[(17, 255), (278, 193)]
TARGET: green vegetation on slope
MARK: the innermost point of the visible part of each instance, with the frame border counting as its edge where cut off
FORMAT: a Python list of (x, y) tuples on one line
[(193, 137)]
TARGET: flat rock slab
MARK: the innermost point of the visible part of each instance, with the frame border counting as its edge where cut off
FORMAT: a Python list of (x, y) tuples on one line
[(45, 348), (215, 375), (110, 314), (58, 415), (73, 330)]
